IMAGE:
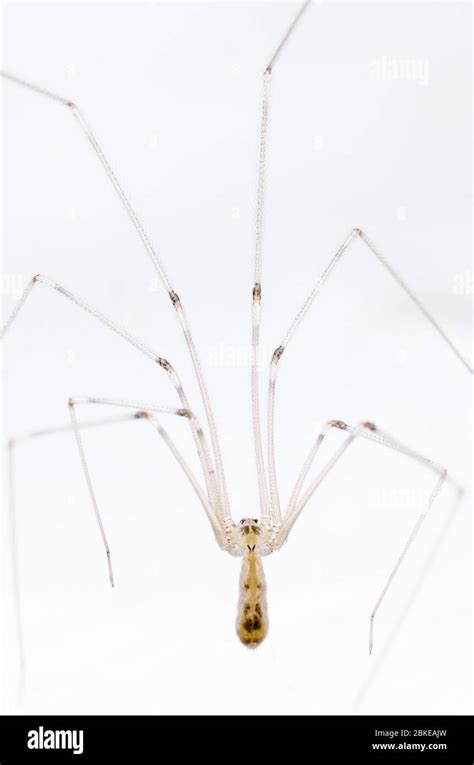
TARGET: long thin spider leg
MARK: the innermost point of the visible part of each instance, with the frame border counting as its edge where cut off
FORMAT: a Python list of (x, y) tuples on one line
[(315, 290), (149, 409), (35, 434), (370, 432), (295, 507), (384, 439), (11, 454), (401, 558), (137, 224), (409, 604), (203, 498), (256, 312), (147, 415), (276, 53), (266, 510), (309, 461), (408, 291), (172, 375)]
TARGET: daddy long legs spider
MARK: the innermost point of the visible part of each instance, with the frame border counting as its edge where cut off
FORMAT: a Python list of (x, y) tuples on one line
[(251, 538)]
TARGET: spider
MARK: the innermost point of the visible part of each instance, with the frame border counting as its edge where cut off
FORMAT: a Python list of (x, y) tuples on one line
[(251, 538)]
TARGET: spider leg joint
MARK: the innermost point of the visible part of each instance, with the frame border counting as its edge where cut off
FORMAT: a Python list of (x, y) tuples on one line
[(257, 292), (337, 424), (142, 415), (175, 299), (164, 364), (277, 354), (186, 413)]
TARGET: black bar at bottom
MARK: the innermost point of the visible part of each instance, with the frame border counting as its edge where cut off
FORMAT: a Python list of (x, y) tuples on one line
[(101, 739)]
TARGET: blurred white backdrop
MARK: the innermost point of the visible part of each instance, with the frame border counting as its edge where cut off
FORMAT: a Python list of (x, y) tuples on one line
[(172, 91)]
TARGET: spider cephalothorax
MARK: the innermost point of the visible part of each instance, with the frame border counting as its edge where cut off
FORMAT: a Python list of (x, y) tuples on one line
[(250, 535)]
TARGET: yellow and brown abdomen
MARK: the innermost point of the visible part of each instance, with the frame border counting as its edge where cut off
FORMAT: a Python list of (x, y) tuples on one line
[(252, 620)]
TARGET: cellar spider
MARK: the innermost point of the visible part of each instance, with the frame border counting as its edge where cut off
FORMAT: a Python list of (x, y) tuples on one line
[(251, 538)]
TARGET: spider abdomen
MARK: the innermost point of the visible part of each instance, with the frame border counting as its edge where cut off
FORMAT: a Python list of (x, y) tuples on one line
[(252, 620)]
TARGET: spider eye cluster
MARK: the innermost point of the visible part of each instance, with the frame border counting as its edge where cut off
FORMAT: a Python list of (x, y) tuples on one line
[(246, 520)]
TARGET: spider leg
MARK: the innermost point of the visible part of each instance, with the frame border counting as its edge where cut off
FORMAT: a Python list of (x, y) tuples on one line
[(292, 504), (370, 432), (278, 353), (221, 489), (201, 444), (266, 510), (147, 410), (11, 454), (76, 427)]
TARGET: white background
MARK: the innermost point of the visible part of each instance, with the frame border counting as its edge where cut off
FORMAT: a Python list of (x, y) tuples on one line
[(172, 91)]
